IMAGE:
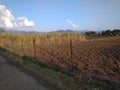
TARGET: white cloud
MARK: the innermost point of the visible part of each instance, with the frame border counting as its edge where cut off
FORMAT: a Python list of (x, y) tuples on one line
[(6, 17), (73, 25), (8, 20), (23, 21)]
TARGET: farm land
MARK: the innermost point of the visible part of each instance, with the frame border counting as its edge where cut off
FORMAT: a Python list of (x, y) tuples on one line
[(97, 57)]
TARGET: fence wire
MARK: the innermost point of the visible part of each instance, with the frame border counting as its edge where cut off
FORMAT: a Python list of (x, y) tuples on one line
[(100, 57)]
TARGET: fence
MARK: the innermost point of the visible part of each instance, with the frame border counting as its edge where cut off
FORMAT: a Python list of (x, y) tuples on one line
[(92, 57)]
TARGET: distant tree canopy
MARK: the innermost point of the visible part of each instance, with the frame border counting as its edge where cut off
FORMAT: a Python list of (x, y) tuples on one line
[(91, 33), (106, 33), (115, 32)]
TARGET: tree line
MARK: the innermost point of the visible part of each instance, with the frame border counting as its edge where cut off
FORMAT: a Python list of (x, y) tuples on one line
[(115, 32)]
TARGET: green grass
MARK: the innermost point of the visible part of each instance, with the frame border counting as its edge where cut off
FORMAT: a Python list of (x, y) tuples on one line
[(45, 65)]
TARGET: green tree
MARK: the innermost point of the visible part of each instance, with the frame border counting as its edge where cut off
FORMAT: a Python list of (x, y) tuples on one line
[(116, 32), (91, 33), (108, 33)]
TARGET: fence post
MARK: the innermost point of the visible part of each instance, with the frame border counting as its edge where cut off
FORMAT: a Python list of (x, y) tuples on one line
[(13, 47), (34, 48), (22, 48), (71, 58)]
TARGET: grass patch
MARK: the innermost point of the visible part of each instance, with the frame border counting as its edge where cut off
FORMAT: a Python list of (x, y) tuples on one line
[(2, 49), (45, 65), (5, 50)]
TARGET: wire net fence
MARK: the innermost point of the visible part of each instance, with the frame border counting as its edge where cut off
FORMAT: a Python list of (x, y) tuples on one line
[(99, 57)]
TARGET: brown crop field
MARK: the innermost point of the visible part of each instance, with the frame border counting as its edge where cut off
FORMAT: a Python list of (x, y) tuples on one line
[(97, 56)]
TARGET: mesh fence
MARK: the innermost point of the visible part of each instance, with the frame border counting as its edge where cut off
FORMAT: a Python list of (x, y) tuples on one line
[(98, 57)]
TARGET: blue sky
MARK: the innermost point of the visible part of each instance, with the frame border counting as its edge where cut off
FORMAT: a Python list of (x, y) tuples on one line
[(49, 15)]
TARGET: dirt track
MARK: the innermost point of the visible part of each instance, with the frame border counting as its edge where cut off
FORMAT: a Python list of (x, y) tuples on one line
[(12, 78)]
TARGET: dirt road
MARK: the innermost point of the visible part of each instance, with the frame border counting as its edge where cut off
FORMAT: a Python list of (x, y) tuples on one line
[(12, 78)]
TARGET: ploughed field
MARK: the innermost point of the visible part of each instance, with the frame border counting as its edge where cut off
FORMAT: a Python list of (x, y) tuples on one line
[(97, 56)]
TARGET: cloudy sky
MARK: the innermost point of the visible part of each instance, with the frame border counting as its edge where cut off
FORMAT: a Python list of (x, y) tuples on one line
[(49, 15)]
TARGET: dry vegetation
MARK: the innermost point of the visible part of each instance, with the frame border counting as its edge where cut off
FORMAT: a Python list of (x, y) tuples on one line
[(98, 57)]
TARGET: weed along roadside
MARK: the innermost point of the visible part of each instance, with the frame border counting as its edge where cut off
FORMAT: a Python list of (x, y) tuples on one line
[(55, 78), (45, 65)]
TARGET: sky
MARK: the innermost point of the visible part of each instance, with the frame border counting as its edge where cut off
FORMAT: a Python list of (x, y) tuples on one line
[(51, 15)]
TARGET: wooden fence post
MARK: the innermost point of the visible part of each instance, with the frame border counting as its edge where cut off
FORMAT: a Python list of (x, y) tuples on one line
[(22, 48), (13, 47), (34, 48), (71, 58)]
